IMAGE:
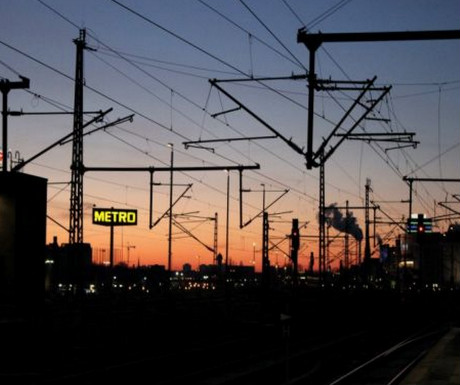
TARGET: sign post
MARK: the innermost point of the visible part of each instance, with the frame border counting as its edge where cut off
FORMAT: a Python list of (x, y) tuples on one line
[(114, 217)]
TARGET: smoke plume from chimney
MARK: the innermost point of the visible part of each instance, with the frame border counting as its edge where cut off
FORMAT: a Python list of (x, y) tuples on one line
[(346, 224)]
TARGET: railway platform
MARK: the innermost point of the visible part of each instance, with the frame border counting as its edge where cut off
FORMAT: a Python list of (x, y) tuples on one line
[(441, 364)]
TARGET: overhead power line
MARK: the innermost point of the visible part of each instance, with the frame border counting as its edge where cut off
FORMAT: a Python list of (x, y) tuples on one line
[(165, 85), (175, 35), (135, 111), (341, 2), (294, 13), (274, 36), (235, 24), (330, 11)]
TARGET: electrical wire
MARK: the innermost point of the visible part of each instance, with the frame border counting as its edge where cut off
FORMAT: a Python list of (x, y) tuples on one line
[(118, 54), (388, 160), (273, 35), (147, 61), (294, 13), (9, 68), (252, 34), (323, 16), (175, 35), (104, 95), (316, 20), (111, 99)]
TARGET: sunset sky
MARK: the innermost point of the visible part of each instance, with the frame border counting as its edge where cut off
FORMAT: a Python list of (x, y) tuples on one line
[(154, 59)]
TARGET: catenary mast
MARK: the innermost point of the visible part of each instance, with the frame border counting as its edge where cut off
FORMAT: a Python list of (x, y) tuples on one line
[(76, 185)]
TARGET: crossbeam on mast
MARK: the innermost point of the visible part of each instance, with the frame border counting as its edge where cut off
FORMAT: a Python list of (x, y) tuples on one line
[(411, 180), (168, 169), (314, 40), (289, 142), (192, 142)]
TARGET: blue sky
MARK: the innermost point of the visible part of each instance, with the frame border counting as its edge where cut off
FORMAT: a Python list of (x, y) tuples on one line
[(155, 59)]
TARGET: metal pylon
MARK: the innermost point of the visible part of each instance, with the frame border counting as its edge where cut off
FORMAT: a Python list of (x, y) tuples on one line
[(76, 185), (322, 222)]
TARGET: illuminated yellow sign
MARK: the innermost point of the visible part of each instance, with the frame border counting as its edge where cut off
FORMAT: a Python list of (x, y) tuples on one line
[(114, 217)]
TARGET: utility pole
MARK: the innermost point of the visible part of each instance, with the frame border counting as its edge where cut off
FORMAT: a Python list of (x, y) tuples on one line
[(5, 87), (322, 221), (295, 243), (76, 184), (265, 258), (367, 246), (265, 238), (265, 228), (216, 228), (227, 227), (347, 237), (128, 248), (170, 207)]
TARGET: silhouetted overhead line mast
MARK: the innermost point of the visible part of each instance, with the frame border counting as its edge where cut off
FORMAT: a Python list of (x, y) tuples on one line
[(171, 170), (265, 226), (67, 138), (412, 180), (401, 224), (76, 185), (326, 149), (153, 169), (321, 155), (289, 142), (314, 41), (77, 168), (5, 87), (168, 211), (264, 205), (367, 247)]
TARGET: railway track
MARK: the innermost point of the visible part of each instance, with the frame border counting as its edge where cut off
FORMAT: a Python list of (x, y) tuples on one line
[(391, 365), (215, 341)]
